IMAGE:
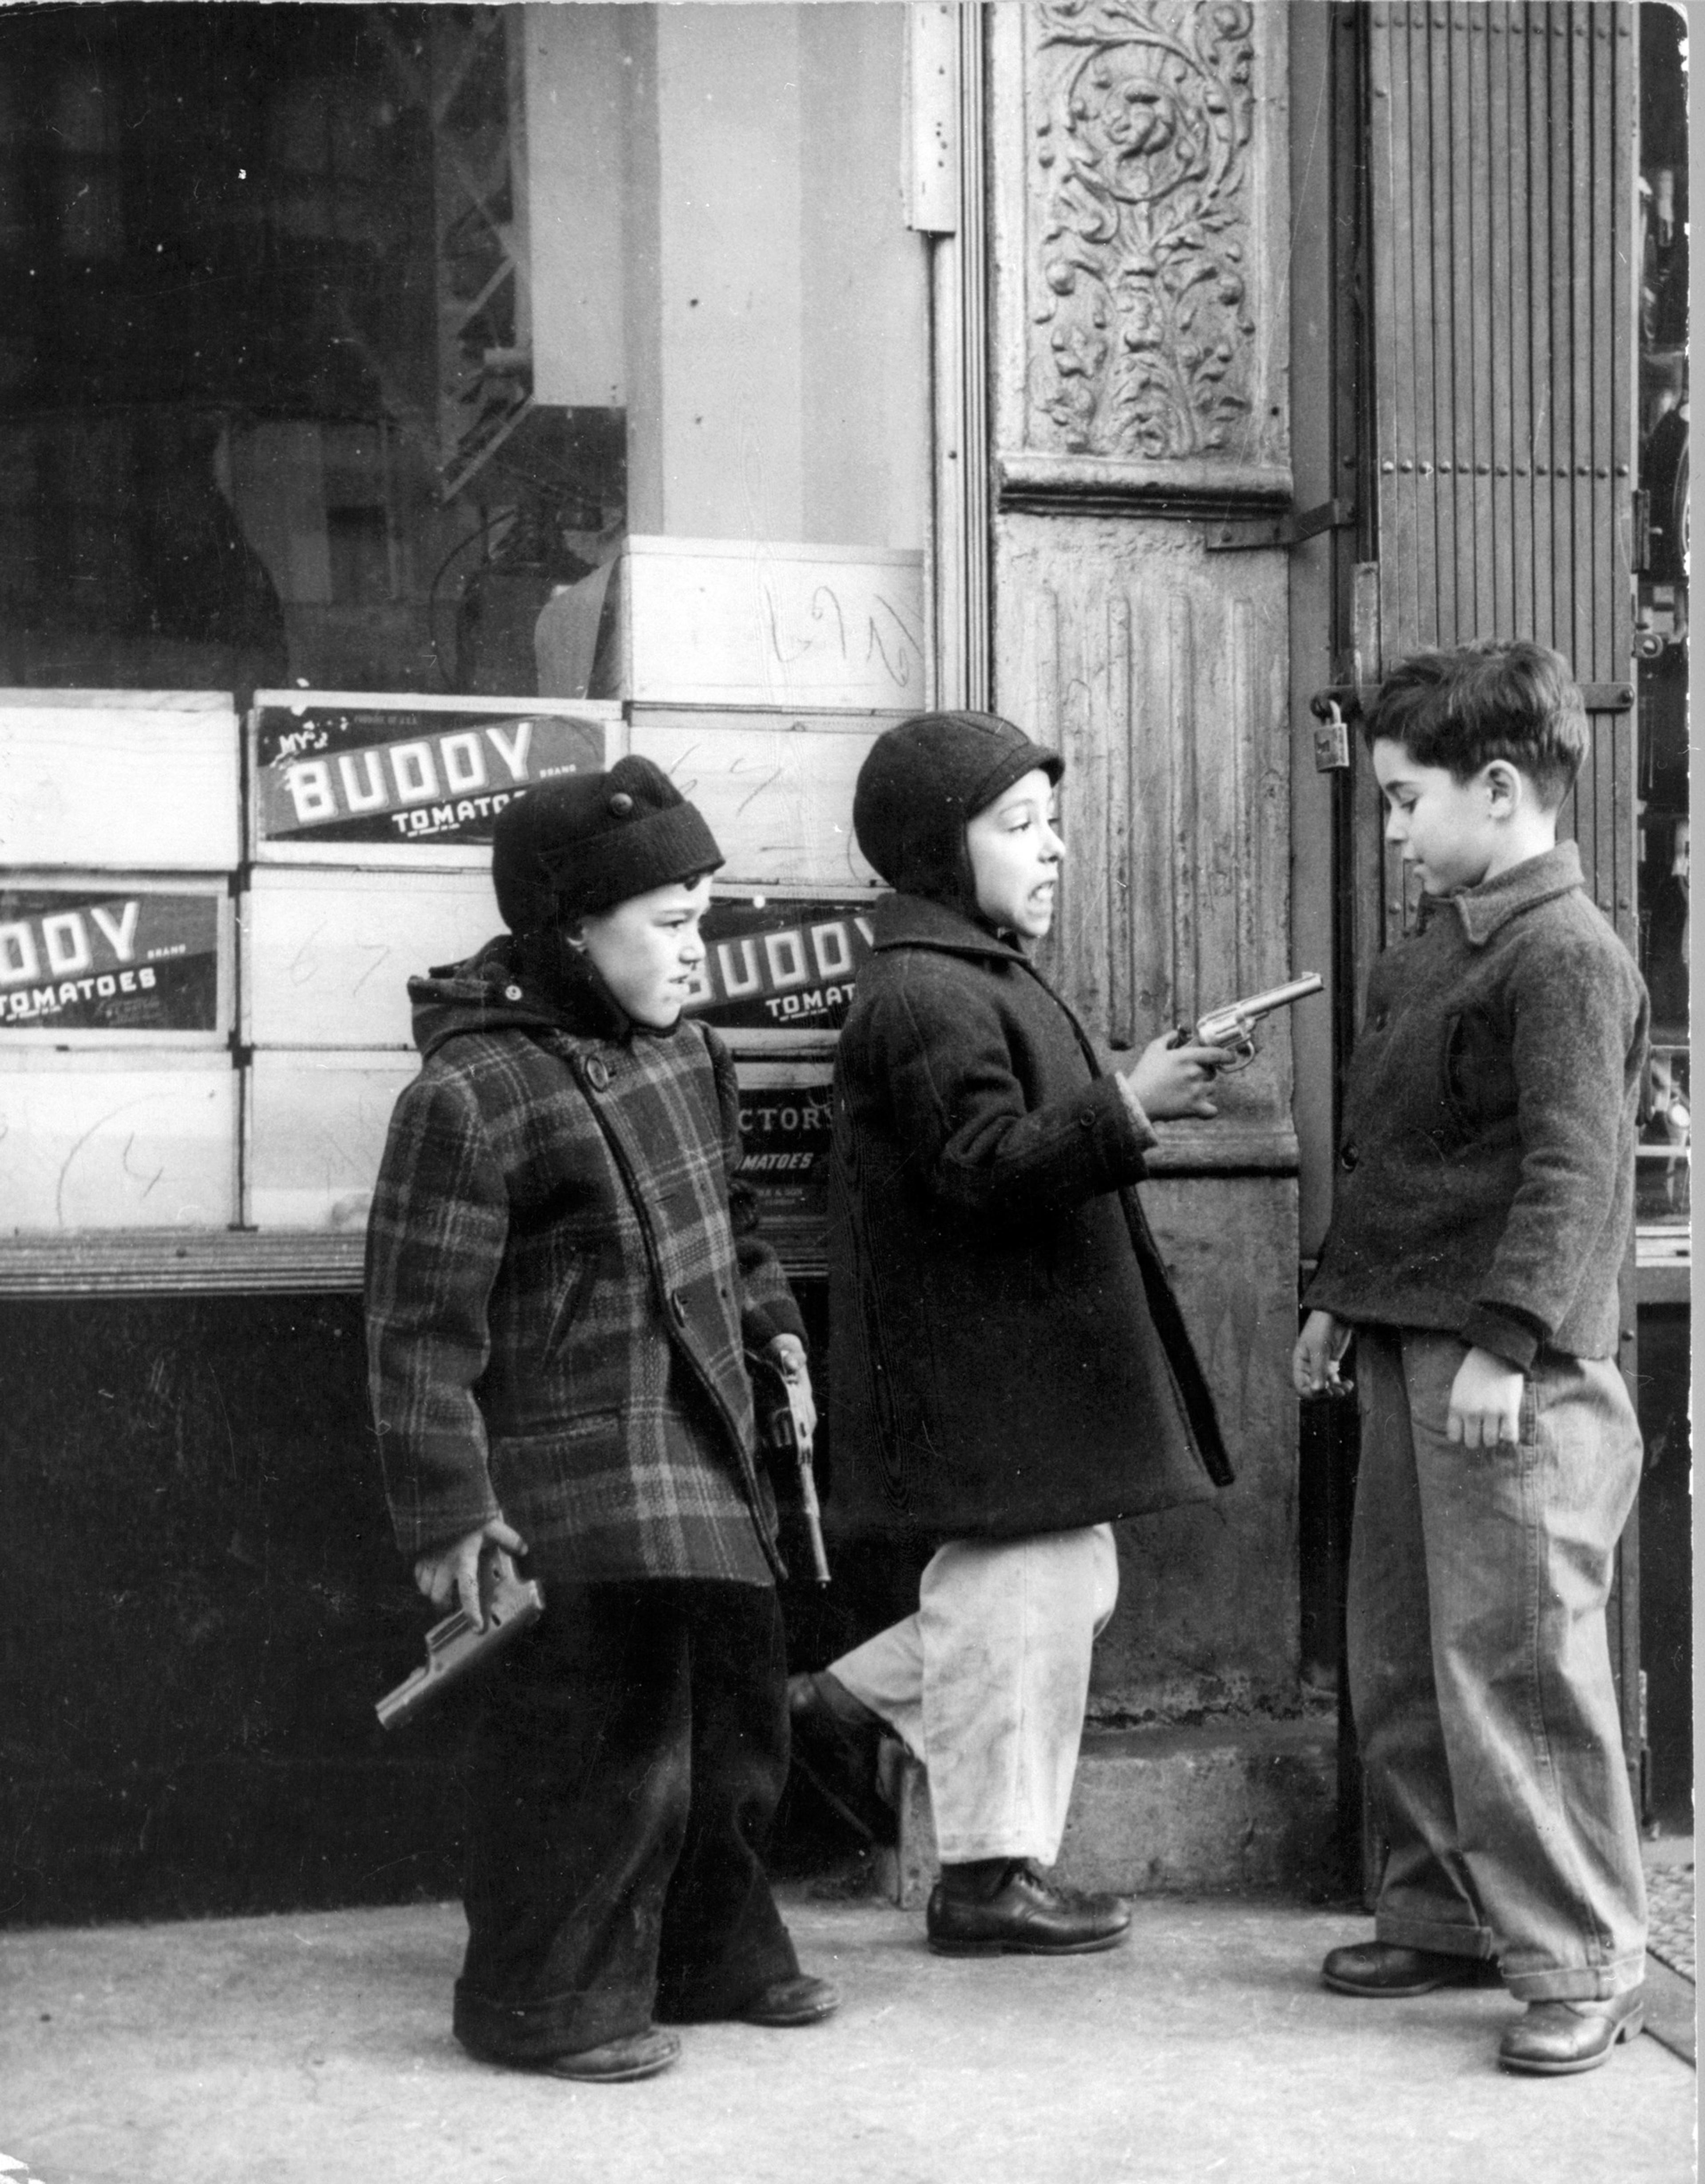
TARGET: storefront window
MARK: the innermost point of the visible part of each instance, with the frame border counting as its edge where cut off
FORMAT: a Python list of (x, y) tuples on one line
[(343, 341)]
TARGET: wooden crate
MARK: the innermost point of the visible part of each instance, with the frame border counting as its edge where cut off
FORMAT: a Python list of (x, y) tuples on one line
[(724, 621), (780, 966), (775, 787), (326, 954), (114, 959), (404, 781), (116, 1139), (139, 779), (314, 1130)]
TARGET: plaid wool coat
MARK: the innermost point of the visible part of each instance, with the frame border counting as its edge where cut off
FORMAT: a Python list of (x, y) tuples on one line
[(563, 1269)]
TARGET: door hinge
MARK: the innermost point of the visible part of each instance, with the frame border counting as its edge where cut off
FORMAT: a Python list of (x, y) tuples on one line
[(1289, 529)]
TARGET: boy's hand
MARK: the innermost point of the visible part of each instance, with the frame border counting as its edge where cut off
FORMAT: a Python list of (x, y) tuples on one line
[(787, 1353), (1314, 1360), (1485, 1400), (454, 1572), (1174, 1081)]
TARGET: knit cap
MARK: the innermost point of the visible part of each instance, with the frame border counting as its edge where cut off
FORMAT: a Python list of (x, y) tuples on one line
[(584, 842), (923, 780)]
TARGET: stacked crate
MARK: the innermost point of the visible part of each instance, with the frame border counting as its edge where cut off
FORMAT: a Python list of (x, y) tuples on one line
[(758, 676), (371, 823), (118, 850)]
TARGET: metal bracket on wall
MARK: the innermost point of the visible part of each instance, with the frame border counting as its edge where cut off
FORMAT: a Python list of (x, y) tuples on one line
[(1288, 530)]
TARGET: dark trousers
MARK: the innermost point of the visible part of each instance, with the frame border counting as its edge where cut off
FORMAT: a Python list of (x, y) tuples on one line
[(628, 1759)]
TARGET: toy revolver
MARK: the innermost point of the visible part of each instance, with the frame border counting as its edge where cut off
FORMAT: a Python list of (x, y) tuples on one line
[(1233, 1026), (457, 1644), (782, 1423)]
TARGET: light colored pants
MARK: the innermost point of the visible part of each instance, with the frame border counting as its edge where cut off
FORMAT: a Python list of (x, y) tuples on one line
[(1479, 1672), (986, 1684)]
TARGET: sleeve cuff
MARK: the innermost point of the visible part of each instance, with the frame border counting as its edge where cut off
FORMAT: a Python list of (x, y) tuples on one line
[(1506, 1333), (762, 1322), (1145, 1129)]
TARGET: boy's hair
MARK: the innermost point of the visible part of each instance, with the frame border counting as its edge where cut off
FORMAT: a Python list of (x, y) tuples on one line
[(1461, 710)]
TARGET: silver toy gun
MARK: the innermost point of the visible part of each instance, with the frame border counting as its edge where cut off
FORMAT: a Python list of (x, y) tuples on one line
[(458, 1644), (782, 1423), (1233, 1026)]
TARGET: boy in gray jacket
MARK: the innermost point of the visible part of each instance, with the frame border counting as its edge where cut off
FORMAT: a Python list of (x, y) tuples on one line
[(1485, 1200)]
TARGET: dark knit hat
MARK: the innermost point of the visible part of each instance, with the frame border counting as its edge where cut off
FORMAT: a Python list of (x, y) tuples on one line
[(921, 782), (584, 842)]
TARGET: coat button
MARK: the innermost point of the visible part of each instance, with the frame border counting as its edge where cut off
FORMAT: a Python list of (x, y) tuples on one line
[(1348, 1158), (511, 993), (1086, 1122), (677, 1307), (597, 1075)]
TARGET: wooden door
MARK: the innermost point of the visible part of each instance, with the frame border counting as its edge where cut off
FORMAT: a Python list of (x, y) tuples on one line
[(1497, 464)]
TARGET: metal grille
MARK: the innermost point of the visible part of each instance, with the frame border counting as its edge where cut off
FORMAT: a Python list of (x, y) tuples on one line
[(1501, 175)]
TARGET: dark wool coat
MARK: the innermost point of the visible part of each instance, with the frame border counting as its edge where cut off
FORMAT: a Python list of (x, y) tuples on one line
[(562, 1270), (1008, 1357), (1486, 1181)]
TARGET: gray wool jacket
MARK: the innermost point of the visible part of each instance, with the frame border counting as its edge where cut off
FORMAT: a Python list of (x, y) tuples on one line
[(1485, 1182)]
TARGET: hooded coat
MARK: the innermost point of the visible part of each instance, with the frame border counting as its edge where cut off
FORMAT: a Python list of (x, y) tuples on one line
[(1008, 1356), (563, 1271)]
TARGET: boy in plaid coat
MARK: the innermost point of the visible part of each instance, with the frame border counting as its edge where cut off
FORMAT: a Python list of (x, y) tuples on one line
[(563, 1274)]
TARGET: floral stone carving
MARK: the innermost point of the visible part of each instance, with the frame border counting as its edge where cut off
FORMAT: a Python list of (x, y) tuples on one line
[(1141, 195)]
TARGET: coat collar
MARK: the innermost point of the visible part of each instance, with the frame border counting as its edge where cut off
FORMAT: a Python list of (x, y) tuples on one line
[(1486, 910), (915, 921)]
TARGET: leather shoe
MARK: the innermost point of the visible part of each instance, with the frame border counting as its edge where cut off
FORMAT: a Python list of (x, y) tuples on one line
[(835, 1743), (637, 2055), (802, 2000), (1553, 2039), (1022, 1916), (1386, 1971)]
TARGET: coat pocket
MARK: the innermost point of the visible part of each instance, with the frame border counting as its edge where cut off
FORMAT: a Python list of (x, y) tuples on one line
[(1478, 1075), (568, 1303)]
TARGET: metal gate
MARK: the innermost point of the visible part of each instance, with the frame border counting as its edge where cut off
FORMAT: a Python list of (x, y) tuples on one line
[(1484, 406)]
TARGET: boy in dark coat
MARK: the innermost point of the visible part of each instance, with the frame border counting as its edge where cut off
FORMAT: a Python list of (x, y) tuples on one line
[(1484, 1203), (1011, 1372), (563, 1274)]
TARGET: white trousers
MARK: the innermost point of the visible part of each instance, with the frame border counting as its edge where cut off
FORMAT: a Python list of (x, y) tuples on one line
[(986, 1684)]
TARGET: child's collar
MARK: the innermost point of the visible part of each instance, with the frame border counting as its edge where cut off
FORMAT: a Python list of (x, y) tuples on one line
[(1485, 909)]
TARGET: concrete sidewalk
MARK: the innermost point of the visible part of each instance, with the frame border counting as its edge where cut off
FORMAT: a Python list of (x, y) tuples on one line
[(276, 2051)]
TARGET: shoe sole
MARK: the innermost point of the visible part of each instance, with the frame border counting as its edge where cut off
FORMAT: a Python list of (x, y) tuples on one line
[(1477, 1978), (1632, 2024), (1027, 1948), (627, 2077), (786, 2024)]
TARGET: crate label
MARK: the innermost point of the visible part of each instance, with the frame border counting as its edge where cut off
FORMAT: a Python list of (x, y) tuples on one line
[(80, 960), (337, 773), (779, 965), (784, 1129)]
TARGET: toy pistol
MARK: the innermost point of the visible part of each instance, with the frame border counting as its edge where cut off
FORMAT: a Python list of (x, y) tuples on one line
[(457, 1644), (781, 1422), (1233, 1026)]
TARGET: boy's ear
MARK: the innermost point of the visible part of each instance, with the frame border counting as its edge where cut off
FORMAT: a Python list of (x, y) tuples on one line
[(1504, 786)]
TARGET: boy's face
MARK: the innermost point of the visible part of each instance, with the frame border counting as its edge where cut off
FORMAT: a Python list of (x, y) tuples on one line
[(1015, 856), (1448, 829), (646, 950)]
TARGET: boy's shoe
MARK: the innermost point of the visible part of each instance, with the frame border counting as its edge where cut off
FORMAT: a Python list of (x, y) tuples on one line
[(1386, 1971), (1555, 2039), (801, 2000), (1021, 1915), (836, 1739), (635, 2055)]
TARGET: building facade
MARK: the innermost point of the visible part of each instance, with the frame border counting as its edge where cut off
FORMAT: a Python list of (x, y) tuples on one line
[(407, 403)]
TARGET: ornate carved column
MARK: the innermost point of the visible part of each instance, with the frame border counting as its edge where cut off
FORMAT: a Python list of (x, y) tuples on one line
[(1139, 366)]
